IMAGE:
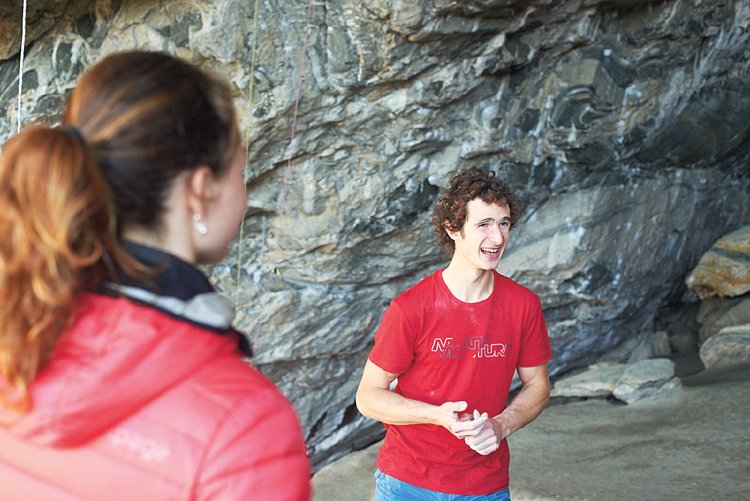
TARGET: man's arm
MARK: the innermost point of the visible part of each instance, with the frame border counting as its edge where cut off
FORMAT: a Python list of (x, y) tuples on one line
[(376, 401), (525, 407)]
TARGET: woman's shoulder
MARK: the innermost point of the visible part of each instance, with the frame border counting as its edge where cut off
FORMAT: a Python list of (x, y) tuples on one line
[(206, 370), (226, 404), (229, 380)]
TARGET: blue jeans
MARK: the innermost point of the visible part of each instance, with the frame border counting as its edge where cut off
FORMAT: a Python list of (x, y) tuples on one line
[(388, 488)]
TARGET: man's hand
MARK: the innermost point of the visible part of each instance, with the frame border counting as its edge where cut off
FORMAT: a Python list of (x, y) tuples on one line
[(469, 425), (524, 408), (488, 438), (447, 415)]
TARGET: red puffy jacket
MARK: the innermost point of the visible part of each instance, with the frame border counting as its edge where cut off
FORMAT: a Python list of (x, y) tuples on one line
[(136, 404)]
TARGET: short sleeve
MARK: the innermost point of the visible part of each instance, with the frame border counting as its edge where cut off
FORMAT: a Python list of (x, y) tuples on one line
[(394, 341), (535, 345)]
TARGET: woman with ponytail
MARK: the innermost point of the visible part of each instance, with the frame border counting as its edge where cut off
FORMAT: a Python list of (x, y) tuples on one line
[(120, 374)]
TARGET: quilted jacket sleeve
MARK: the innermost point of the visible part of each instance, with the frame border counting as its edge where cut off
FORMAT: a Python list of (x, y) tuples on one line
[(257, 453)]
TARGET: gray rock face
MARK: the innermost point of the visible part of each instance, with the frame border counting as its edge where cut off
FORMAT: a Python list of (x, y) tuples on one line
[(718, 313), (622, 125), (725, 269), (40, 18), (643, 379), (630, 383), (730, 346), (651, 345), (599, 380)]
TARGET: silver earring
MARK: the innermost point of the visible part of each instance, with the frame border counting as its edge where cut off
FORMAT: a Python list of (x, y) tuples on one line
[(199, 226)]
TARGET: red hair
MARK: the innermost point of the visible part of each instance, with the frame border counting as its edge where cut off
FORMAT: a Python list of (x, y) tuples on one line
[(58, 238)]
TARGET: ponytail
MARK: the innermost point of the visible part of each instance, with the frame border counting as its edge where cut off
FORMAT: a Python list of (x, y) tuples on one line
[(146, 119), (57, 238)]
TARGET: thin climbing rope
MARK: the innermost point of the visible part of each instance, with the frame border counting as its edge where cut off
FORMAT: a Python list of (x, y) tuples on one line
[(288, 168), (301, 66), (251, 93), (20, 67)]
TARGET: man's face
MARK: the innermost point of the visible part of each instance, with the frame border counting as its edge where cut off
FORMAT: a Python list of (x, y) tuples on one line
[(481, 242)]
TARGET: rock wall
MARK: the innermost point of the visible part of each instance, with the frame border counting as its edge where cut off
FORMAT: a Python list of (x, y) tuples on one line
[(621, 123), (722, 280)]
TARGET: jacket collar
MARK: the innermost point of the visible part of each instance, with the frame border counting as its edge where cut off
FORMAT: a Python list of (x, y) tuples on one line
[(179, 289)]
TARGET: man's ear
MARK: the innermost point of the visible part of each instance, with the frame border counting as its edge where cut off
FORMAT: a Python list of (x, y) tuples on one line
[(200, 184), (453, 234)]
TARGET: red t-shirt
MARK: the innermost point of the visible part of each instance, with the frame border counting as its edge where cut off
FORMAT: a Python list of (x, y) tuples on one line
[(446, 350)]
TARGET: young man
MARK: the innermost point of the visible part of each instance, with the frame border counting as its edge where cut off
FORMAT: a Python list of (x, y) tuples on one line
[(454, 341)]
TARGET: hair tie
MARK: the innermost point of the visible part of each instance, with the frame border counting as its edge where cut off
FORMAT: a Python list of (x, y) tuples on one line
[(75, 133)]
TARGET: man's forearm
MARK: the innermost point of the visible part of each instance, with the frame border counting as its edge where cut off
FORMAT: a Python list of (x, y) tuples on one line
[(392, 408), (525, 407), (376, 401)]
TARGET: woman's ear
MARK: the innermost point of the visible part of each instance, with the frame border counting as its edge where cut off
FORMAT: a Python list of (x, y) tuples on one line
[(200, 187)]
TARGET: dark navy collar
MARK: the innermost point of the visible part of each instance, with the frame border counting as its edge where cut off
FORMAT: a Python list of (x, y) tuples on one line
[(177, 278), (178, 289)]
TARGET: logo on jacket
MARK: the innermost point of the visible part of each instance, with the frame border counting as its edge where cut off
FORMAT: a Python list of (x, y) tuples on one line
[(477, 345), (145, 448)]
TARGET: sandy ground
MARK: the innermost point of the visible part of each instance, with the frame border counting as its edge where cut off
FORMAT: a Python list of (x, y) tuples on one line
[(688, 444)]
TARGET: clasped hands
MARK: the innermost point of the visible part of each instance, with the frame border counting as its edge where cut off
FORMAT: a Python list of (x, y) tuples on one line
[(481, 433)]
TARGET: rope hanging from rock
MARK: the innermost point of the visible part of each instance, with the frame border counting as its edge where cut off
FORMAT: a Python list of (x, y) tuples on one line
[(281, 203), (20, 66), (251, 92), (300, 72)]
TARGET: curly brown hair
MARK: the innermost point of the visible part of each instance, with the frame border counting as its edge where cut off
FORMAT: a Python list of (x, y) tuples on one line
[(465, 186)]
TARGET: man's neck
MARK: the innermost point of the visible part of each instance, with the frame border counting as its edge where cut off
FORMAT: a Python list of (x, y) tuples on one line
[(468, 285)]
